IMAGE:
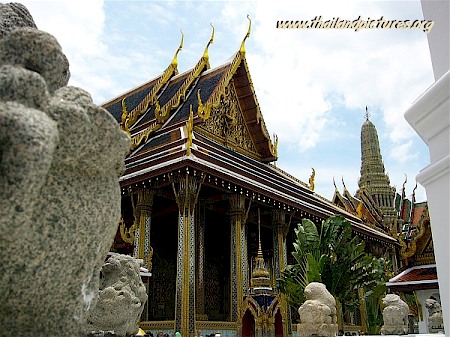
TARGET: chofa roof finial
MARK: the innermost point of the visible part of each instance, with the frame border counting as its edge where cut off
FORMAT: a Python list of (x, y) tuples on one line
[(242, 49)]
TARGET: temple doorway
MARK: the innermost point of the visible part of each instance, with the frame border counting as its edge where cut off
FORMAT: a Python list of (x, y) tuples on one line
[(278, 324), (248, 324)]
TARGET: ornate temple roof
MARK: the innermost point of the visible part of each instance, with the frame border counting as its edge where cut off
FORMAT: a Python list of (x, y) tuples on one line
[(208, 122), (415, 278)]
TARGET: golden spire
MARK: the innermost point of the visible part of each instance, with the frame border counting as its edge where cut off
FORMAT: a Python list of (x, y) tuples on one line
[(242, 49), (260, 274), (174, 62), (211, 40)]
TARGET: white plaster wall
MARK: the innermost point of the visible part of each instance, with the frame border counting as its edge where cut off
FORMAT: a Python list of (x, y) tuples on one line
[(438, 11), (430, 117)]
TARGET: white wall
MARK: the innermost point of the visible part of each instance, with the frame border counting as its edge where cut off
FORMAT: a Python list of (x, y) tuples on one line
[(430, 117)]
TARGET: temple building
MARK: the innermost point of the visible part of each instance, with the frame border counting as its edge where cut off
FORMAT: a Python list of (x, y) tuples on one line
[(206, 208), (378, 205)]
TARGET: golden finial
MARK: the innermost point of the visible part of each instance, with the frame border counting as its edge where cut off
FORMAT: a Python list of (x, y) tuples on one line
[(211, 40), (189, 129), (403, 187), (242, 50), (311, 179), (124, 115), (334, 183), (174, 62), (345, 187), (275, 145), (414, 193)]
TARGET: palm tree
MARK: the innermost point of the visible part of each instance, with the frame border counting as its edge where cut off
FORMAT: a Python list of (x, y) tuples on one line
[(330, 255)]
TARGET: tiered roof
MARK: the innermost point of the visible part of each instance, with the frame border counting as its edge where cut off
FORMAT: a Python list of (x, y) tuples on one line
[(208, 122), (415, 278)]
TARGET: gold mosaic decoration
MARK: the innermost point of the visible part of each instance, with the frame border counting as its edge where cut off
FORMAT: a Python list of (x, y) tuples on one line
[(226, 124)]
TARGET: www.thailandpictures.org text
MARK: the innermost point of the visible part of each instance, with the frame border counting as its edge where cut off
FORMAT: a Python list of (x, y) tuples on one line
[(356, 25)]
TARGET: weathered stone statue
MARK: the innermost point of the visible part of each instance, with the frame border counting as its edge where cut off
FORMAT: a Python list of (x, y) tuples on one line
[(435, 319), (318, 313), (60, 158), (121, 297), (395, 316), (14, 15)]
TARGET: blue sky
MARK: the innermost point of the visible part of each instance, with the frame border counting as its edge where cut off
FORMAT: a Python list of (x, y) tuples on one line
[(312, 84)]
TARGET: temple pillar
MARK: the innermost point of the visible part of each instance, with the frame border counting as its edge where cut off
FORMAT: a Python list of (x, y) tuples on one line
[(143, 215), (186, 189), (363, 310), (200, 291), (239, 263), (280, 261)]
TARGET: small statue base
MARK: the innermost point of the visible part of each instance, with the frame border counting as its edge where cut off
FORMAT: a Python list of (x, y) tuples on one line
[(394, 330), (319, 330)]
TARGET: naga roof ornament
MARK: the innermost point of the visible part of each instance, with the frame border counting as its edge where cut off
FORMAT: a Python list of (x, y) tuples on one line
[(129, 118), (204, 109), (164, 113)]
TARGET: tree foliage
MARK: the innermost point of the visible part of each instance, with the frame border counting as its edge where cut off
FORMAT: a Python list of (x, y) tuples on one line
[(331, 255)]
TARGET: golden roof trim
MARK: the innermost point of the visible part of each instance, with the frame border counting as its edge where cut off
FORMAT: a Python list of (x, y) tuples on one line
[(137, 139), (129, 118), (242, 49), (163, 113), (204, 109)]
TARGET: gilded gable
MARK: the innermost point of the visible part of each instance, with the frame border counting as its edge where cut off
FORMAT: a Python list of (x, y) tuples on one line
[(226, 125)]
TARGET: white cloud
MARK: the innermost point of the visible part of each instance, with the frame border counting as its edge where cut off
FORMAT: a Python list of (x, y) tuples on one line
[(298, 69)]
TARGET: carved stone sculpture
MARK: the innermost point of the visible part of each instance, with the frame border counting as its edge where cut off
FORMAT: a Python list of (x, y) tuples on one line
[(14, 15), (60, 158), (395, 316), (121, 297), (435, 319), (318, 313)]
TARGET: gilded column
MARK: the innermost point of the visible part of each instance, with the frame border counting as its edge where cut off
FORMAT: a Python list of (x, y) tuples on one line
[(143, 214), (200, 293), (363, 310), (239, 265), (280, 262), (186, 189)]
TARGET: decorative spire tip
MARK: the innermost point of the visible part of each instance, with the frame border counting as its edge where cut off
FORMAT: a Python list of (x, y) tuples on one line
[(242, 49), (174, 62), (211, 40), (367, 115)]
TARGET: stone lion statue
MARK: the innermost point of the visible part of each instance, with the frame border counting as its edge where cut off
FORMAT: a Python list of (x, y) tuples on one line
[(318, 313), (435, 319), (60, 159), (121, 297), (395, 314)]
